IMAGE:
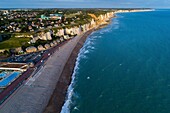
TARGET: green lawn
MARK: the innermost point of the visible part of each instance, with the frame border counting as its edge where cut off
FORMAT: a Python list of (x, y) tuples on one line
[(13, 43)]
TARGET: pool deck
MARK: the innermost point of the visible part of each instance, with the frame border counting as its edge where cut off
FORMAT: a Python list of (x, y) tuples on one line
[(33, 96)]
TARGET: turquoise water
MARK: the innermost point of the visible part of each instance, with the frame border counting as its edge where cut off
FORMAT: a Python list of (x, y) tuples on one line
[(2, 75), (125, 67), (4, 82)]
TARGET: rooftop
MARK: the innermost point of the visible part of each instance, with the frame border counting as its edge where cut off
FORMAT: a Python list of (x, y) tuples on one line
[(13, 66)]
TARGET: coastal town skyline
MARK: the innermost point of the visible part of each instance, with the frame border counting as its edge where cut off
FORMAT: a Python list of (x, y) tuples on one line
[(85, 4), (84, 56), (69, 56)]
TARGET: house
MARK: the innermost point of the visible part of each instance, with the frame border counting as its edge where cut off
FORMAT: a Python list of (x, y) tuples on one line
[(40, 48), (51, 44), (19, 50), (44, 17), (52, 16), (31, 49), (55, 42), (14, 66), (56, 16), (47, 46)]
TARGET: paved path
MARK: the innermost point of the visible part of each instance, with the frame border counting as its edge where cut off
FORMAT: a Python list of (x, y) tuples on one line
[(33, 96)]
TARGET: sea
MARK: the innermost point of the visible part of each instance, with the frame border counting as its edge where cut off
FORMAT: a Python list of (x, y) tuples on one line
[(124, 67)]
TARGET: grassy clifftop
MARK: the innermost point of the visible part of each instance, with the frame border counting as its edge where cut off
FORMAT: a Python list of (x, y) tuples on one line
[(13, 42)]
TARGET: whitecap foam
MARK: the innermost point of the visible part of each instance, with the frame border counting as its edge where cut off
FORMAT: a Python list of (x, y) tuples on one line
[(93, 48), (70, 91), (87, 51), (107, 29), (89, 43), (90, 47), (115, 22)]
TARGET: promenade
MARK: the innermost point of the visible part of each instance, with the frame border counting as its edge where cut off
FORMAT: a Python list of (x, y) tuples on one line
[(33, 96)]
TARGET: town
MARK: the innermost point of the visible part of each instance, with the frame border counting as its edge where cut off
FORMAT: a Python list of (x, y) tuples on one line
[(28, 37), (23, 30)]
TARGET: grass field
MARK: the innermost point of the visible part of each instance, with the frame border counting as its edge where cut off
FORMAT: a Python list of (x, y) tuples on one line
[(13, 43)]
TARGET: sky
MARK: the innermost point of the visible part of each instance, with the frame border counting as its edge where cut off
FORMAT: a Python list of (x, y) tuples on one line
[(84, 3)]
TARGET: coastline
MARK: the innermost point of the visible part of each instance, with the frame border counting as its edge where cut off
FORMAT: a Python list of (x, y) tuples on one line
[(34, 95), (58, 97), (54, 80)]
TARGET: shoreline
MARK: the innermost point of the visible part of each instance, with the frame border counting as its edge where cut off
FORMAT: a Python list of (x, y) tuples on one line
[(33, 96), (58, 97), (59, 71), (134, 11)]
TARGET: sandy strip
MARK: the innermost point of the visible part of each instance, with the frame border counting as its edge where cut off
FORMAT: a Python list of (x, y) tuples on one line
[(34, 96)]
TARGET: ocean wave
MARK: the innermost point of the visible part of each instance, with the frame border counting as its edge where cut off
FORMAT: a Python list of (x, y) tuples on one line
[(115, 22), (119, 16), (107, 29), (70, 91), (89, 42), (83, 54), (95, 37), (90, 47), (101, 33), (87, 51), (116, 27)]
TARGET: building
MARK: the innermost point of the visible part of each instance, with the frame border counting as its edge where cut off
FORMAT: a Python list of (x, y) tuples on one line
[(31, 49), (56, 16), (47, 46), (14, 66), (44, 17), (40, 48), (52, 16)]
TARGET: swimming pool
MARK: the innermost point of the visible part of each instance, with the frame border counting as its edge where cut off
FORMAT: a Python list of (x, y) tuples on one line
[(3, 74), (9, 79)]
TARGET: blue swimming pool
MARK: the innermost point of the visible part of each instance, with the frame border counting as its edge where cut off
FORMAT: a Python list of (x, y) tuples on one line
[(9, 79), (2, 75)]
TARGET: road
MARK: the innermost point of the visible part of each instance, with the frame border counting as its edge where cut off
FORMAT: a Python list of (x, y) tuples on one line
[(34, 95)]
